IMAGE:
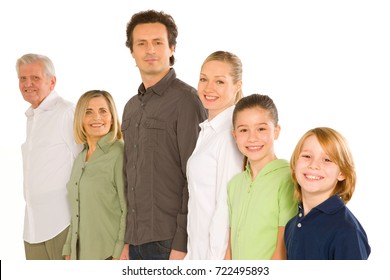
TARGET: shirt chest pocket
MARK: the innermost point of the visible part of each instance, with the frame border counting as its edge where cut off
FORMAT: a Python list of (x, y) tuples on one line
[(153, 133)]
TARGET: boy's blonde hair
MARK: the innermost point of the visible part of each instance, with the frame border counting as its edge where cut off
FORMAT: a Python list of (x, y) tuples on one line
[(336, 147)]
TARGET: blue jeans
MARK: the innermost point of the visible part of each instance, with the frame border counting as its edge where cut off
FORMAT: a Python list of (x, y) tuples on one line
[(157, 250)]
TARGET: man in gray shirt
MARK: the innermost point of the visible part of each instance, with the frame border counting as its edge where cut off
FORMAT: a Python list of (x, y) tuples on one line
[(160, 127)]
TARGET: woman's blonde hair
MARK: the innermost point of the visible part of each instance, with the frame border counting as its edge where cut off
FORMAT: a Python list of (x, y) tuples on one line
[(336, 147), (234, 62), (81, 107)]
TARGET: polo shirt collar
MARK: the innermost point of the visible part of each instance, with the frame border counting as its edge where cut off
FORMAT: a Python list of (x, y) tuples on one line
[(331, 205)]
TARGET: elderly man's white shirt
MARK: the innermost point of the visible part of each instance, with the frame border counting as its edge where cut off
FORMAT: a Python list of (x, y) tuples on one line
[(48, 155)]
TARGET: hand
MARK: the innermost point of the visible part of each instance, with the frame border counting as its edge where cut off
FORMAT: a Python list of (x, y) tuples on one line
[(177, 255), (125, 253)]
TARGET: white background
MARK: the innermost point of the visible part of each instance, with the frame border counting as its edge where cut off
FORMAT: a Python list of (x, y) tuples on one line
[(325, 63)]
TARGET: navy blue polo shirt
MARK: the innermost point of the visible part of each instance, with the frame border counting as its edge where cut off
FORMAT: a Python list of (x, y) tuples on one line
[(328, 232)]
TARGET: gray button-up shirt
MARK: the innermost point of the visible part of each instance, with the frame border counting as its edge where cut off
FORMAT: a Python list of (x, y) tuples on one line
[(160, 127)]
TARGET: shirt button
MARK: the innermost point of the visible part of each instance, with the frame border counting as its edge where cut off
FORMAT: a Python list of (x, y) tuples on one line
[(299, 225), (132, 188), (137, 125), (133, 210), (300, 215)]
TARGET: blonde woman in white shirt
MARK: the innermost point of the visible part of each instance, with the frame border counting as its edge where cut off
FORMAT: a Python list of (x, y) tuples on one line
[(215, 159)]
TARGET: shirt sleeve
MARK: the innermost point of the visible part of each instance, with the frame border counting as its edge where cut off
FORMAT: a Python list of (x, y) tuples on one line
[(191, 114), (68, 134), (350, 244), (229, 164), (287, 204), (119, 181), (66, 248)]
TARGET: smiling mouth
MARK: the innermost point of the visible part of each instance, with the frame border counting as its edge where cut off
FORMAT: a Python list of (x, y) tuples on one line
[(97, 125), (210, 98), (254, 148), (312, 177)]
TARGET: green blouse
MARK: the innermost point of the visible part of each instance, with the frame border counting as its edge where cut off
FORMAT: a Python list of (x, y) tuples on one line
[(98, 205)]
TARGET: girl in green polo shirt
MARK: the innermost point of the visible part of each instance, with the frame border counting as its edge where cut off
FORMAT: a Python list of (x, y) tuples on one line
[(260, 198)]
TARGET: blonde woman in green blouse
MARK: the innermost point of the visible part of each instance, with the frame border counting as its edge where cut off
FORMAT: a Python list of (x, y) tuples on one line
[(96, 187)]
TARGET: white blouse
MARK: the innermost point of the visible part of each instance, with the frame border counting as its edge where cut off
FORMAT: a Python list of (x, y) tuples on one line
[(214, 161)]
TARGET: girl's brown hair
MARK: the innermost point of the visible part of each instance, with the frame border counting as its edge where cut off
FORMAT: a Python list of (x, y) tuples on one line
[(252, 101)]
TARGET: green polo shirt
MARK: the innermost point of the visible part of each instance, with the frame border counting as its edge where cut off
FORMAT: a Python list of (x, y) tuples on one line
[(258, 208), (98, 205)]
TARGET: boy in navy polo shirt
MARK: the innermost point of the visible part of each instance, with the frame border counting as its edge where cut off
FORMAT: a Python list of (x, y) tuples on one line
[(324, 176)]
